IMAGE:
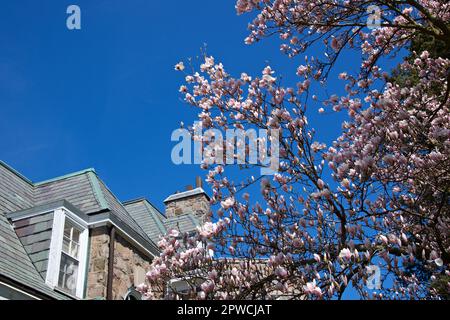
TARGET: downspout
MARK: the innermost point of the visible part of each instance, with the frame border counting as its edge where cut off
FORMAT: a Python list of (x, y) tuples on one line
[(109, 284)]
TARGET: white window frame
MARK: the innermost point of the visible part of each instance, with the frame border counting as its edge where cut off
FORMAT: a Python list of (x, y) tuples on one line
[(56, 243)]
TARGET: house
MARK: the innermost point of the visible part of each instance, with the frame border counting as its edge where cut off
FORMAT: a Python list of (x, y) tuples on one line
[(71, 238)]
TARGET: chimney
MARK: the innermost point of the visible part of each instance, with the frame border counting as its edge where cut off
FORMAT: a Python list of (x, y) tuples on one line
[(192, 201)]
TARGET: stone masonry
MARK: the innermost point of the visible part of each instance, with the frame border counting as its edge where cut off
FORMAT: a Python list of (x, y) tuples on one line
[(197, 204), (130, 266), (98, 264)]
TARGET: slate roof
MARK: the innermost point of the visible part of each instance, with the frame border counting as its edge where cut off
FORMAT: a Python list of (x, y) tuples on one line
[(183, 223), (86, 191), (76, 188), (148, 217), (155, 223), (83, 189)]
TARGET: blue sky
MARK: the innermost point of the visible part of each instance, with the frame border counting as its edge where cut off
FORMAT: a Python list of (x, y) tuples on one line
[(106, 96)]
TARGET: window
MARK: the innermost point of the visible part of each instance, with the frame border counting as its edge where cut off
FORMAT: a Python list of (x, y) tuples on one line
[(70, 260), (68, 250)]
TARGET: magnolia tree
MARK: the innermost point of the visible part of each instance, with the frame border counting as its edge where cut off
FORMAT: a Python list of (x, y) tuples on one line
[(371, 210)]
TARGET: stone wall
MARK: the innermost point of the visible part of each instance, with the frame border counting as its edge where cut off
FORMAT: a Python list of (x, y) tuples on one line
[(130, 266), (197, 205), (98, 264)]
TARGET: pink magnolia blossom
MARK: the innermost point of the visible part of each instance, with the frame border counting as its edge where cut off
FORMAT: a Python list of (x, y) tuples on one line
[(377, 194), (179, 66), (345, 254), (312, 288), (228, 203)]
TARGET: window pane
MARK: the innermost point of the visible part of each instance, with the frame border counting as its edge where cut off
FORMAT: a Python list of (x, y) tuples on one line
[(71, 239), (68, 269), (70, 231), (70, 247), (68, 273)]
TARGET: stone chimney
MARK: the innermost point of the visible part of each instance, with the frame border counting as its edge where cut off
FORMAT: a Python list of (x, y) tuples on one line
[(194, 201)]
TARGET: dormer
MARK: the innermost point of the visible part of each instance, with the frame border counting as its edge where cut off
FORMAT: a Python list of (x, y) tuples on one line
[(56, 240)]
